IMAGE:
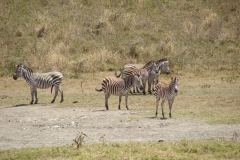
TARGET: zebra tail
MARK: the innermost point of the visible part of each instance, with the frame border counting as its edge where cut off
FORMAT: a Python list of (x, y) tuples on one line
[(117, 75), (99, 90)]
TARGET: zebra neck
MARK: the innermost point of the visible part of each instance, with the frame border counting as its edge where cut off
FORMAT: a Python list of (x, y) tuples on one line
[(149, 68), (128, 82), (161, 65), (171, 90), (28, 76)]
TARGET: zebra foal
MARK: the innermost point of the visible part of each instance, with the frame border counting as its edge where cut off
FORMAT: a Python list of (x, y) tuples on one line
[(162, 65), (40, 80), (166, 92), (119, 87)]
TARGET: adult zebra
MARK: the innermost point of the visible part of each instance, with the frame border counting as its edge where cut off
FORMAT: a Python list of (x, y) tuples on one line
[(166, 92), (162, 65), (40, 80), (119, 87), (144, 70)]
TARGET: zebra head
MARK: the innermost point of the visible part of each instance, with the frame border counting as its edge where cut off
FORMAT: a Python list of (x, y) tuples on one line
[(138, 81), (165, 67), (174, 85), (154, 67), (18, 72)]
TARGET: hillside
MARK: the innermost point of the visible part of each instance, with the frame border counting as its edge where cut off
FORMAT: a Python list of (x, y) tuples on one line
[(81, 36)]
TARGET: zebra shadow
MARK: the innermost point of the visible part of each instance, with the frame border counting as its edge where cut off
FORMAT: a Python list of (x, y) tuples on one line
[(157, 118), (22, 105)]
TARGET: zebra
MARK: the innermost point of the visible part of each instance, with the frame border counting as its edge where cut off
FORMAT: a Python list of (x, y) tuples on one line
[(162, 65), (119, 87), (144, 71), (40, 80), (166, 92)]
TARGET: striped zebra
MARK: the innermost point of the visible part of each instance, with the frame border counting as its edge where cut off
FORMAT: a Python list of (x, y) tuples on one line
[(144, 71), (162, 65), (40, 80), (166, 92), (119, 87)]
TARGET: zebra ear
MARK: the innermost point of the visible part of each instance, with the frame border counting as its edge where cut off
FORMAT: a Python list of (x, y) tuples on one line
[(178, 79)]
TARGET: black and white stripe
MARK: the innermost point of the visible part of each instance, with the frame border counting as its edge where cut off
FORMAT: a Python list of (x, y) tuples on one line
[(119, 87), (166, 92), (40, 80), (144, 69), (162, 65)]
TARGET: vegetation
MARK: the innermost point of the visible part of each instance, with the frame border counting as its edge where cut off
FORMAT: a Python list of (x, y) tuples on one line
[(194, 149), (81, 36)]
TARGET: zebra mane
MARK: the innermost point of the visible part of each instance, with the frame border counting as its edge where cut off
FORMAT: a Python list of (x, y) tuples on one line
[(25, 67), (148, 64), (161, 60)]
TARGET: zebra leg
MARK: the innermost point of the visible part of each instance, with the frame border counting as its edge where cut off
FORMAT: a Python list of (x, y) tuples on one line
[(120, 99), (107, 95), (32, 92), (61, 91), (126, 100), (144, 87), (162, 104), (137, 90), (131, 91), (170, 102), (36, 100), (149, 86), (157, 104), (153, 84), (56, 93)]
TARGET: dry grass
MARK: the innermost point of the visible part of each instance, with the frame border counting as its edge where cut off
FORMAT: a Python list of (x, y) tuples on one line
[(88, 36)]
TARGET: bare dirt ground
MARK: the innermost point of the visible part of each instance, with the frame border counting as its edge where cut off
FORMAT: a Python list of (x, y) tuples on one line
[(36, 125)]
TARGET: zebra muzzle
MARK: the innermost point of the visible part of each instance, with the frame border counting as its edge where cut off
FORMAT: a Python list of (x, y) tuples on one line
[(141, 87), (15, 77)]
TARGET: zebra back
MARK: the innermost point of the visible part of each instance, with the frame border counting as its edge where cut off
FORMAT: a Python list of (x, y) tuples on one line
[(117, 86), (130, 71), (151, 65)]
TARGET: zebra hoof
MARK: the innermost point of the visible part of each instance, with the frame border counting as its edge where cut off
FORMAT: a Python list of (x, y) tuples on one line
[(31, 102), (61, 101)]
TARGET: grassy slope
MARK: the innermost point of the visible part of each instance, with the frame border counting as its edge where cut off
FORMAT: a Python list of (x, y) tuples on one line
[(76, 36)]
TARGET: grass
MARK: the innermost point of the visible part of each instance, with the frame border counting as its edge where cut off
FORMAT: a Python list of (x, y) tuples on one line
[(194, 149), (88, 36), (207, 97)]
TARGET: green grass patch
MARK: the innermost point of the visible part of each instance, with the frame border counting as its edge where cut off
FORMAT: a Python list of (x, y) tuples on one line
[(184, 149)]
